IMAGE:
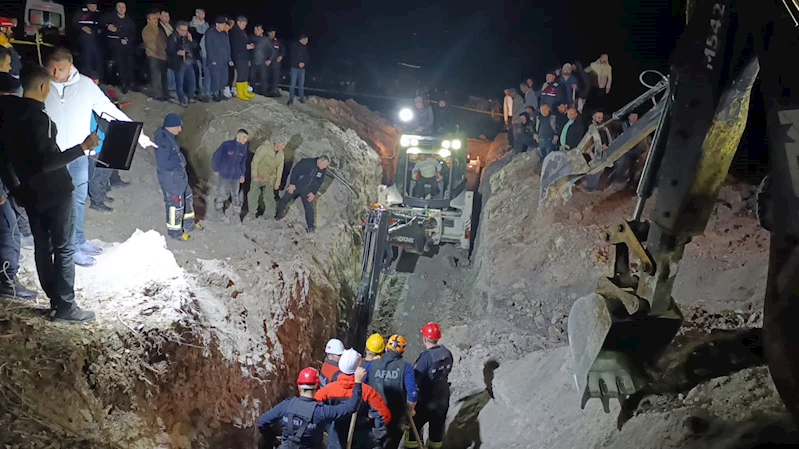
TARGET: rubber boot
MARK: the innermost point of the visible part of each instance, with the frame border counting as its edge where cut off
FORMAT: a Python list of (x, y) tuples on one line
[(247, 91), (241, 92)]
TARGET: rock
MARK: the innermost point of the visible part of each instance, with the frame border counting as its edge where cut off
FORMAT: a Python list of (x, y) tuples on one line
[(555, 332), (519, 285), (540, 321), (518, 297), (556, 318)]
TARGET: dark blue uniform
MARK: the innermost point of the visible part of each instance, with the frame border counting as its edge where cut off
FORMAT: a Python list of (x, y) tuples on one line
[(304, 419), (432, 377), (174, 183), (91, 58)]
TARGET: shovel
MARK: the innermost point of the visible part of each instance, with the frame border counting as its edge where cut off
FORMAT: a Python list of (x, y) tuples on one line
[(413, 427), (352, 430)]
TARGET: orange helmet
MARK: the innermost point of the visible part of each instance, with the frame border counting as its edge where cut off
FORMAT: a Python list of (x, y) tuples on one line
[(431, 331), (396, 343), (308, 378)]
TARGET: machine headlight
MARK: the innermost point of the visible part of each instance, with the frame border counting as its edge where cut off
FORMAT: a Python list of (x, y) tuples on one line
[(456, 144), (405, 140), (414, 141), (445, 144), (444, 153), (413, 150), (406, 115)]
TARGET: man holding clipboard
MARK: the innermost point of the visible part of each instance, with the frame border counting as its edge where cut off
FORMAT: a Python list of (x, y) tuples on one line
[(70, 103)]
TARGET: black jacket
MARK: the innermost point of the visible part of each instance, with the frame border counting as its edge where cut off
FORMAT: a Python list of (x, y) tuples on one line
[(32, 167), (263, 50), (574, 134), (86, 18), (279, 50), (175, 43), (238, 44), (126, 28), (443, 120), (307, 177), (298, 54)]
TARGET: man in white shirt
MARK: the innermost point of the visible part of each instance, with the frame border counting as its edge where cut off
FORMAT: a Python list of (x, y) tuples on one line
[(507, 113), (69, 105), (427, 171)]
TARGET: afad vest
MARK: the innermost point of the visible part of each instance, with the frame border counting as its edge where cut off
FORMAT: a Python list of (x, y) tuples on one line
[(439, 376), (387, 377), (299, 430)]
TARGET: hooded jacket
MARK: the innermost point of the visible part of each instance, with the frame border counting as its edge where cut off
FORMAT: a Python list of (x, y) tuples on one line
[(230, 160), (198, 27), (342, 389), (267, 164), (32, 166), (70, 106), (217, 47)]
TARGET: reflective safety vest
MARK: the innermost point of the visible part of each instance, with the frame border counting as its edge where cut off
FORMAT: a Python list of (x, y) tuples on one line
[(299, 430), (387, 377)]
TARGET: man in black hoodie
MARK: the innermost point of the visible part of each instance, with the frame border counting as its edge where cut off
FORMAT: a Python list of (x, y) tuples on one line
[(304, 183), (33, 169)]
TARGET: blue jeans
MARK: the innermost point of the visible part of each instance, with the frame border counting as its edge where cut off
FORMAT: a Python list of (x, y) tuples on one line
[(297, 75), (170, 80), (205, 78), (10, 238), (546, 146), (79, 170), (186, 82)]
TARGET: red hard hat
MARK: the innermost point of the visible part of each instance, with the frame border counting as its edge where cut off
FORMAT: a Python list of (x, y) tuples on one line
[(431, 331), (5, 22), (308, 377)]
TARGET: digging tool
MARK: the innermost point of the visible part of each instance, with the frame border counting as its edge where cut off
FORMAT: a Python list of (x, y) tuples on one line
[(351, 432), (413, 427)]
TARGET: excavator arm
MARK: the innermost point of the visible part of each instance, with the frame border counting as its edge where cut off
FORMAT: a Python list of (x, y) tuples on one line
[(619, 331)]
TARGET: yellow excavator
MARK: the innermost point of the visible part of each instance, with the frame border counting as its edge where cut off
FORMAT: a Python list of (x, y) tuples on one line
[(617, 333)]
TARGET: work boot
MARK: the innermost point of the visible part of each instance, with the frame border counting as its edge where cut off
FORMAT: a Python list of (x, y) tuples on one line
[(241, 92), (119, 183), (290, 102), (311, 229), (107, 199), (185, 237), (73, 314), (89, 249), (100, 207), (83, 260), (12, 289), (222, 216), (249, 91)]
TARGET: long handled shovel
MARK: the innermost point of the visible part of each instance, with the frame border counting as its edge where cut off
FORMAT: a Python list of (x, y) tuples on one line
[(413, 427), (352, 430)]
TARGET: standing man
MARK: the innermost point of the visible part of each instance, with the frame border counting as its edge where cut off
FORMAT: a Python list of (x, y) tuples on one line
[(87, 22), (121, 32), (198, 26), (154, 39), (304, 183), (432, 375), (394, 379), (260, 55), (275, 62), (69, 105), (333, 350), (507, 114), (180, 53), (165, 21), (230, 166), (240, 47), (546, 131), (217, 48), (375, 347), (266, 174), (174, 180), (304, 419), (6, 34), (34, 171), (604, 78), (299, 59)]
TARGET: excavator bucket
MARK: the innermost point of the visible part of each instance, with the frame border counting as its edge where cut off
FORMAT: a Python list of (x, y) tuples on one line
[(562, 169), (612, 348)]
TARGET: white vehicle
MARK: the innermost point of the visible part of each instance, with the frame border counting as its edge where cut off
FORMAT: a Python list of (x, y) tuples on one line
[(44, 14)]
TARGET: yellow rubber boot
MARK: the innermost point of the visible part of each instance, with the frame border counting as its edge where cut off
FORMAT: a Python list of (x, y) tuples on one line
[(247, 91), (241, 92)]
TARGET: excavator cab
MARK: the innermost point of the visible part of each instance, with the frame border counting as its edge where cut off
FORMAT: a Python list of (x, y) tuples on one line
[(431, 171)]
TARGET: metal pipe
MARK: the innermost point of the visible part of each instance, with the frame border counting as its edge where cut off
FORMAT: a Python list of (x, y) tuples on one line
[(652, 166)]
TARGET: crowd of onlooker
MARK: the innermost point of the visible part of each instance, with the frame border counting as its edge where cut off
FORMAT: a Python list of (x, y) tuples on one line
[(190, 60)]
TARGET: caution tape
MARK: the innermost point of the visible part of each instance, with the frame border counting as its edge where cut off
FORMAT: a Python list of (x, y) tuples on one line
[(384, 97), (38, 42)]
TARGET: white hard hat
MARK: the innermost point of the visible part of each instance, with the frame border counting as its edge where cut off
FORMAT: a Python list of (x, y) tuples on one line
[(349, 360), (334, 346)]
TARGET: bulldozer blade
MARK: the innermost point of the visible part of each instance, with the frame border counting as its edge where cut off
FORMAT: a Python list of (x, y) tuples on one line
[(610, 349), (562, 169)]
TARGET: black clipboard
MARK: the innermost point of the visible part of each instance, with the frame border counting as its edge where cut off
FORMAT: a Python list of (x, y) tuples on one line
[(119, 144)]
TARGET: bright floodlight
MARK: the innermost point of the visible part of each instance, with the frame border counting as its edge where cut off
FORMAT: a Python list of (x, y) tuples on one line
[(405, 140), (444, 153), (456, 144), (414, 150), (406, 115), (445, 144), (414, 141)]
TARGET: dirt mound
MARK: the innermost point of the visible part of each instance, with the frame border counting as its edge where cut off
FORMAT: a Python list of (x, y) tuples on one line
[(192, 342)]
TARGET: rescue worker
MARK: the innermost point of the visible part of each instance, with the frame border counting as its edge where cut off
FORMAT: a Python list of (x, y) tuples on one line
[(302, 418), (333, 350), (121, 34), (240, 48), (230, 166), (274, 63), (217, 50), (395, 380), (341, 390), (87, 22), (375, 346), (432, 373), (6, 34), (266, 174), (174, 180), (305, 181)]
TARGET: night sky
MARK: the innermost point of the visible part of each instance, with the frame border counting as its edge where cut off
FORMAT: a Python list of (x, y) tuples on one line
[(479, 46)]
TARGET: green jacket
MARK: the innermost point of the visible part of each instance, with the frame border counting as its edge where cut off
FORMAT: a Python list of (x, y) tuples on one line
[(267, 165)]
